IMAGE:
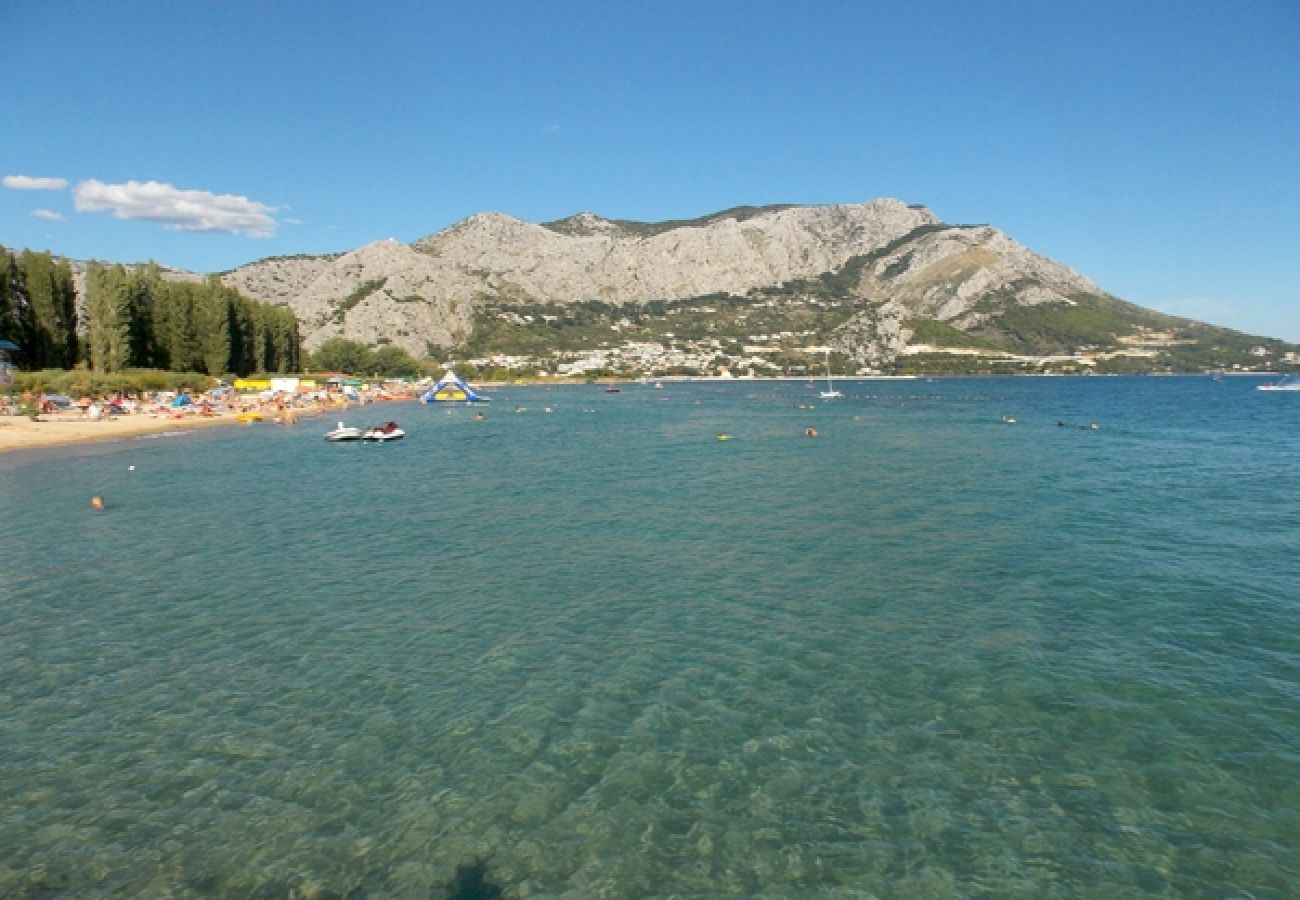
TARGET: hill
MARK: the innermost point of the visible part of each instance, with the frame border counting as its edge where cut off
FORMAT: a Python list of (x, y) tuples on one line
[(887, 285)]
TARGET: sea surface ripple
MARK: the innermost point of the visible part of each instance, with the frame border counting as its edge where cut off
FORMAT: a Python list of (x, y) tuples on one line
[(596, 652)]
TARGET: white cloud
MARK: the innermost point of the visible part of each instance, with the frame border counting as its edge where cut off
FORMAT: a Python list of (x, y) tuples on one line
[(28, 183), (48, 214), (184, 210)]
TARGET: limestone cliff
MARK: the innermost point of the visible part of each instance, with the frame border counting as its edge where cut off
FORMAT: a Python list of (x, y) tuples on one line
[(423, 296)]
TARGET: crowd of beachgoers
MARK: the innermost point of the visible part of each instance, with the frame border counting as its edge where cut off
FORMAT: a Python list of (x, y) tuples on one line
[(179, 404), (34, 418)]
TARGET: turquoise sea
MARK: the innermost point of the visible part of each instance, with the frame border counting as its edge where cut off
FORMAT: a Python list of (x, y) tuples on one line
[(595, 652)]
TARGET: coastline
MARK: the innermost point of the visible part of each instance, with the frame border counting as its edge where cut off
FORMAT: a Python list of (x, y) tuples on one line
[(65, 428), (21, 433)]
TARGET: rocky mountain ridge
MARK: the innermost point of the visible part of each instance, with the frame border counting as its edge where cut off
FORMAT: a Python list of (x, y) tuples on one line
[(424, 295)]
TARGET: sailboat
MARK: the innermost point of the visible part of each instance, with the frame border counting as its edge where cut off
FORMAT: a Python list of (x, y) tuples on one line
[(830, 393)]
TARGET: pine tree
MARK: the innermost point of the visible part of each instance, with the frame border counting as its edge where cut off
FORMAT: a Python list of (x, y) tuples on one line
[(108, 317), (181, 336), (53, 298), (213, 318), (141, 288), (8, 321), (17, 320)]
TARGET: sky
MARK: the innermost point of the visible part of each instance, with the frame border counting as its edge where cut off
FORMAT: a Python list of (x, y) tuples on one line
[(1151, 145)]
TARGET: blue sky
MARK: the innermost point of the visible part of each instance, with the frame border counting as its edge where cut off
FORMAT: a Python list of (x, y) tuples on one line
[(1153, 146)]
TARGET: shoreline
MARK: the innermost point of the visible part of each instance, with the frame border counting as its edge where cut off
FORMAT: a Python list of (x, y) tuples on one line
[(62, 429), (22, 433)]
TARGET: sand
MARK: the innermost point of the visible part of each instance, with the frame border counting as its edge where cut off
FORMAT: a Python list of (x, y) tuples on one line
[(21, 433)]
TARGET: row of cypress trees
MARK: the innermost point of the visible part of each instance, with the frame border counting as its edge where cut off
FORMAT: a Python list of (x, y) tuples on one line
[(134, 318), (38, 310)]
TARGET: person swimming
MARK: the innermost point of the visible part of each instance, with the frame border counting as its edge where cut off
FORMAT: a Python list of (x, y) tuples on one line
[(97, 502)]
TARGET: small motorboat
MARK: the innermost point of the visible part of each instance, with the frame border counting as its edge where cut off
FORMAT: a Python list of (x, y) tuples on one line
[(1289, 383), (389, 431), (343, 433)]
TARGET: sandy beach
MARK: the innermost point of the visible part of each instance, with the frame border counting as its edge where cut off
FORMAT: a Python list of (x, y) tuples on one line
[(21, 433)]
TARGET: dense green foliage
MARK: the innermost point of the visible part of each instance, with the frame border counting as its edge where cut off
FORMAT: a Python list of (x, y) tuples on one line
[(137, 319), (85, 383), (38, 309), (341, 355)]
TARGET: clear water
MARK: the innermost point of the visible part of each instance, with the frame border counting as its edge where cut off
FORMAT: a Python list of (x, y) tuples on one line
[(603, 654)]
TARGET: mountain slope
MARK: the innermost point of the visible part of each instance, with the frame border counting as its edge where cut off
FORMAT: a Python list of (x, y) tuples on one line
[(492, 256), (874, 280)]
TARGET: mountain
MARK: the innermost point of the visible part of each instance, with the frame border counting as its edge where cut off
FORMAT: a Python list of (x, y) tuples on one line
[(877, 281)]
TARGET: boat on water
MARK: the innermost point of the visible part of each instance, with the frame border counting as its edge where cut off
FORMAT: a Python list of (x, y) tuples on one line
[(1289, 383), (389, 431), (830, 393), (343, 432)]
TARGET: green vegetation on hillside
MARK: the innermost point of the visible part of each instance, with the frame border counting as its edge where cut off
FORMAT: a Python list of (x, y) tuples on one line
[(359, 293), (1088, 321), (941, 334)]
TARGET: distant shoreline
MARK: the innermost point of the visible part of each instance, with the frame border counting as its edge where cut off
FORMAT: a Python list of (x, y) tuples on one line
[(62, 429)]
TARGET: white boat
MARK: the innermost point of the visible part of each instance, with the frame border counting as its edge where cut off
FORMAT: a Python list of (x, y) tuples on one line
[(389, 431), (830, 393), (1289, 383), (343, 433)]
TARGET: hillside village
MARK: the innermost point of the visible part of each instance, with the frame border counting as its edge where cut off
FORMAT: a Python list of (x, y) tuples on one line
[(635, 347)]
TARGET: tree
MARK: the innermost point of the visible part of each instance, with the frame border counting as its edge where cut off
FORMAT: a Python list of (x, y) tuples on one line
[(17, 323), (142, 287), (53, 300), (341, 355), (175, 332), (214, 322), (108, 317), (286, 345), (393, 361)]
